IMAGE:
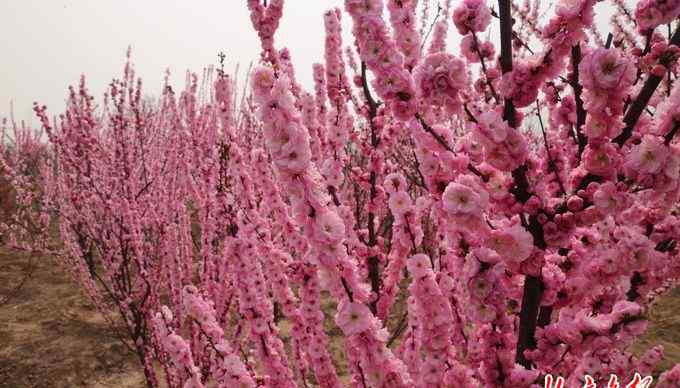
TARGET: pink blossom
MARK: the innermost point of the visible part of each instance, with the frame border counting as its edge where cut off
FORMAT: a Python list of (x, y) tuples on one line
[(394, 182), (419, 265), (669, 379), (522, 83), (400, 203), (651, 13), (482, 313), (668, 112), (601, 160), (367, 7), (522, 377), (462, 199), (480, 287), (504, 147), (625, 308), (569, 8), (293, 156), (606, 69), (491, 128), (647, 157), (439, 79), (472, 49), (606, 199), (471, 15), (329, 227), (599, 324), (514, 243), (353, 318), (599, 127), (485, 255), (262, 81)]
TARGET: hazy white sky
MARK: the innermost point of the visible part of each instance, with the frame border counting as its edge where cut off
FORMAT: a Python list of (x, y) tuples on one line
[(47, 44)]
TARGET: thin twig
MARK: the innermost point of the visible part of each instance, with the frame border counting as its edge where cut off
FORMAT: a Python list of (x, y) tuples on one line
[(14, 292), (447, 147), (551, 162), (399, 329), (439, 10)]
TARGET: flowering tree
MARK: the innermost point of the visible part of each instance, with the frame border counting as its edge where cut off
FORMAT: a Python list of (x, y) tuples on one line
[(523, 202)]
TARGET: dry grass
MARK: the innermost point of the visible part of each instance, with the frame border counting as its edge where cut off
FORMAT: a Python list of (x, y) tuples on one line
[(664, 329)]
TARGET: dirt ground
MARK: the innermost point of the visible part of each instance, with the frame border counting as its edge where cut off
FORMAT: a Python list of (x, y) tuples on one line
[(51, 337)]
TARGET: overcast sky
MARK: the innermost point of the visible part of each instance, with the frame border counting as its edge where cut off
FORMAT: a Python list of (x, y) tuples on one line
[(47, 44)]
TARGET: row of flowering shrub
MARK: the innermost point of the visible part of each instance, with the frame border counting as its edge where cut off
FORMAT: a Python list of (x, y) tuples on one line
[(524, 200)]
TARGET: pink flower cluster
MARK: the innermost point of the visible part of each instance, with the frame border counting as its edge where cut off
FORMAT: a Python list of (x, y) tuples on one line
[(504, 147), (651, 13), (406, 36), (475, 51), (514, 243), (606, 76), (563, 31), (576, 332), (178, 349), (231, 370), (408, 232), (466, 233), (659, 58), (434, 317), (325, 229), (265, 20), (471, 16), (670, 378), (440, 79), (393, 82), (313, 334), (464, 198)]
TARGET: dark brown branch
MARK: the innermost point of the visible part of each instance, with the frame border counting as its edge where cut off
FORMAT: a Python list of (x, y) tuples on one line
[(544, 316), (334, 195), (372, 104), (469, 114), (361, 373), (447, 147), (506, 54), (638, 106), (429, 31), (421, 178), (347, 290), (671, 134), (531, 299), (552, 166), (522, 43), (580, 111), (533, 286), (399, 329), (635, 281), (373, 262), (666, 245), (515, 36), (483, 62)]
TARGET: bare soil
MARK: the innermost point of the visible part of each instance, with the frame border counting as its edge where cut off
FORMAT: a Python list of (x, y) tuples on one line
[(51, 336)]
